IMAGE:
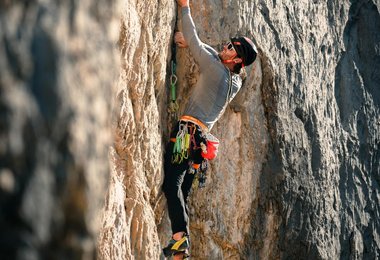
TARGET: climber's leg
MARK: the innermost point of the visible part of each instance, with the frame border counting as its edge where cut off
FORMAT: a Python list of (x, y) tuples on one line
[(174, 177)]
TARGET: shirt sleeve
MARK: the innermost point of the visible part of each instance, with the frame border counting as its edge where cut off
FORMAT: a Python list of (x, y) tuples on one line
[(203, 54)]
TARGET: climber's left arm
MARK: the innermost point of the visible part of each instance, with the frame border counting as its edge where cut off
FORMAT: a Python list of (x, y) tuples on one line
[(203, 54)]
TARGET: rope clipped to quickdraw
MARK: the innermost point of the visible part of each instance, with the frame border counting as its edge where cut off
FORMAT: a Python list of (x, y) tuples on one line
[(173, 106)]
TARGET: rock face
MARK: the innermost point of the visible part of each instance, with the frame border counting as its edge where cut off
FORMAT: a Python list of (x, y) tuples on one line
[(58, 68), (298, 171)]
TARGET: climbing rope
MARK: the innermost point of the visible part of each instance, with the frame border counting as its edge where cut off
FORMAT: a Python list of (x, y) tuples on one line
[(173, 106)]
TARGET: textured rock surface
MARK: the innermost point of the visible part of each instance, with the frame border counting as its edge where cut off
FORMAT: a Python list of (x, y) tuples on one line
[(58, 65), (134, 205), (298, 171), (299, 166)]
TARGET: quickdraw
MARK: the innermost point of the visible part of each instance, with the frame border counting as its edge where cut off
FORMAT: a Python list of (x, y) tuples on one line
[(173, 106), (182, 144), (192, 131), (200, 175)]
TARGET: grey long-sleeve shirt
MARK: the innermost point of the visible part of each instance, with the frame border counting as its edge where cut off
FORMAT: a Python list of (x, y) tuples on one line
[(209, 97)]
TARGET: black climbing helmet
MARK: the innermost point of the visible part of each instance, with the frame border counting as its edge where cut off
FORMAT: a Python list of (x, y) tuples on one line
[(246, 49)]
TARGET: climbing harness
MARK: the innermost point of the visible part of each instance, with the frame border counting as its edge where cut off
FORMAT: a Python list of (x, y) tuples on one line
[(186, 143), (196, 122)]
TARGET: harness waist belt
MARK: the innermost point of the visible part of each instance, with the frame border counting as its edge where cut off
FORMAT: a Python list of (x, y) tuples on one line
[(194, 121)]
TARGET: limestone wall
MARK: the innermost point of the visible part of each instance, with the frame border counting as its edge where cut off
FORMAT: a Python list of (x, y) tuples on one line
[(84, 122)]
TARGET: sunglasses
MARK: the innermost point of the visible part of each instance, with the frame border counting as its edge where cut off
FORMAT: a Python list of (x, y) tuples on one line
[(230, 46)]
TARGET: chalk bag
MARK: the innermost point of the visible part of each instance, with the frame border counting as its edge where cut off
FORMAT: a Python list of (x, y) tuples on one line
[(210, 149)]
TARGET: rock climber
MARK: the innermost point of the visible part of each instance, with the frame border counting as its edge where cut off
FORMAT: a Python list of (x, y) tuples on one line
[(190, 142)]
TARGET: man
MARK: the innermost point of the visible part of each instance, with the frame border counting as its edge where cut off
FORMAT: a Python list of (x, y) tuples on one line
[(218, 84)]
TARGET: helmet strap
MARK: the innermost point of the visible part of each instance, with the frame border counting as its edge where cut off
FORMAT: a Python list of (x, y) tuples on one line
[(228, 61), (231, 61)]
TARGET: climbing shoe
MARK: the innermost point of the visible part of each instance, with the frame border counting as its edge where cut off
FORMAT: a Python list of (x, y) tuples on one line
[(185, 254), (177, 247)]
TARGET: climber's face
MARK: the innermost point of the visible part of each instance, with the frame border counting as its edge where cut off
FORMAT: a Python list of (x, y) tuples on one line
[(228, 52)]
